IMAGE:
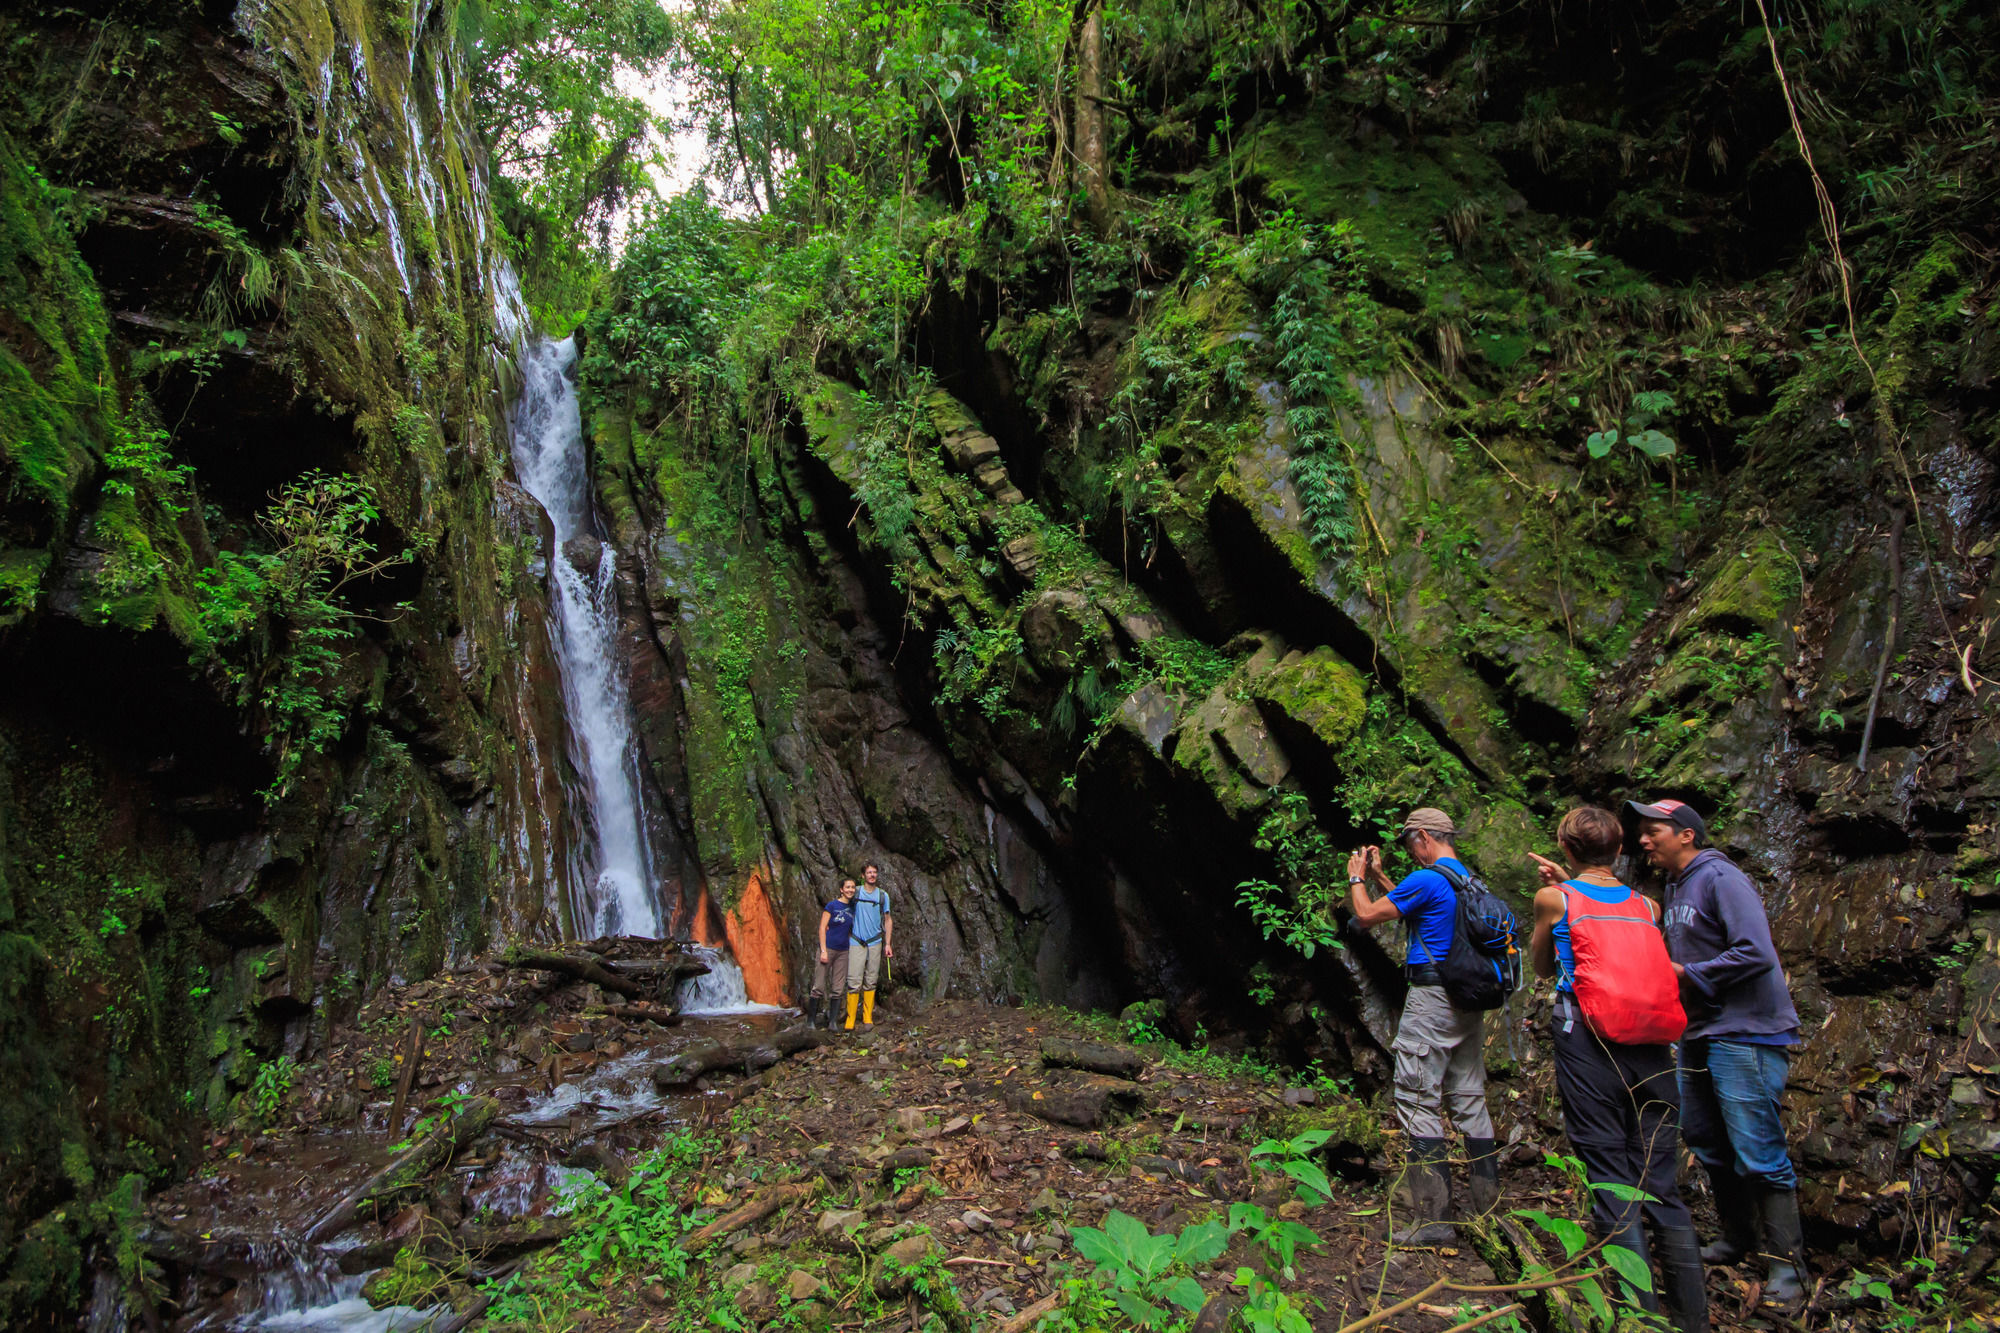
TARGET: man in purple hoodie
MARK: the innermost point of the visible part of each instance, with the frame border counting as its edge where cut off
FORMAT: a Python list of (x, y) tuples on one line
[(1737, 1048)]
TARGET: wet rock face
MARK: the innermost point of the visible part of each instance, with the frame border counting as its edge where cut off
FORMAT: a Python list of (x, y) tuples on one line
[(170, 923)]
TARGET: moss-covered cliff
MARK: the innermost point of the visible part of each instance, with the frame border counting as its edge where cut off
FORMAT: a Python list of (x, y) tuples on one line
[(254, 334), (1463, 412)]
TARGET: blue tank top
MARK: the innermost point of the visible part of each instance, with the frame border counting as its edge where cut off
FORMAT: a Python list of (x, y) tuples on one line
[(1565, 961)]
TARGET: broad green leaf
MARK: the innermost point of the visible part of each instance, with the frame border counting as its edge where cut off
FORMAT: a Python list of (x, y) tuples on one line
[(1562, 1228), (1128, 1233), (1593, 1296), (1202, 1242), (1139, 1311), (1881, 1291), (1623, 1192), (1312, 1178), (1600, 442), (1630, 1266), (1186, 1293), (1246, 1217), (1095, 1246), (1652, 443), (1155, 1257), (1310, 1141)]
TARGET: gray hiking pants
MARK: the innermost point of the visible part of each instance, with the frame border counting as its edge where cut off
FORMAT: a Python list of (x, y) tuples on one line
[(1441, 1067)]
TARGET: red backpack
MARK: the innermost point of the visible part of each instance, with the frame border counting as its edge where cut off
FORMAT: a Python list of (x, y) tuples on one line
[(1623, 980)]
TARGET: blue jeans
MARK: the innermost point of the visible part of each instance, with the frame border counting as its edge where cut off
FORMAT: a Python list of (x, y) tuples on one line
[(1729, 1109)]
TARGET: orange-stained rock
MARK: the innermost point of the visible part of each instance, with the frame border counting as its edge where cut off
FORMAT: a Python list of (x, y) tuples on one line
[(752, 927), (706, 927)]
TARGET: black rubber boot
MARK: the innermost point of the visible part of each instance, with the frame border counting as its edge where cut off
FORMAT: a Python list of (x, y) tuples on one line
[(1737, 1207), (1784, 1245), (1426, 1195), (1683, 1284), (1633, 1238), (815, 1012), (1483, 1172)]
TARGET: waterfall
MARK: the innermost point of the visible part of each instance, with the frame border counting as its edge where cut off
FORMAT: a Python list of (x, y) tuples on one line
[(721, 991), (611, 879)]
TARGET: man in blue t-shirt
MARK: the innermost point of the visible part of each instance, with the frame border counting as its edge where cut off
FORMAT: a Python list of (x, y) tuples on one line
[(1440, 1050), (836, 919), (872, 940)]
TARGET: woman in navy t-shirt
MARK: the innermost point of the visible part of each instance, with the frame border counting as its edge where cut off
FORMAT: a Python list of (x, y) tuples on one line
[(836, 919)]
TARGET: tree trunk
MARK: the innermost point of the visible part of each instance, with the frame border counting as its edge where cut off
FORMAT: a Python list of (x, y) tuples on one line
[(1092, 150)]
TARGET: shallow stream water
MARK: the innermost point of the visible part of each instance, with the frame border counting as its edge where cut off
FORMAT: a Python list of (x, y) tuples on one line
[(249, 1221)]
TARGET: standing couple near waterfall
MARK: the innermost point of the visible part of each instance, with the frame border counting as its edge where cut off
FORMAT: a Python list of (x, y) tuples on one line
[(856, 931), (1666, 1022)]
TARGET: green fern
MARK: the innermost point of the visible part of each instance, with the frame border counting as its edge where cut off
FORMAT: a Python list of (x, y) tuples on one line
[(1309, 355)]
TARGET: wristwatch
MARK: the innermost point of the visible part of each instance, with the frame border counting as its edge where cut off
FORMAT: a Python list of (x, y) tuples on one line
[(1357, 879)]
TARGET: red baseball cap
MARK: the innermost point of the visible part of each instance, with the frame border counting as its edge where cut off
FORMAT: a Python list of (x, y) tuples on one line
[(1673, 812)]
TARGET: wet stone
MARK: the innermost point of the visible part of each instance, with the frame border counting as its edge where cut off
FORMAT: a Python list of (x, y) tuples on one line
[(975, 1220), (802, 1285), (738, 1275)]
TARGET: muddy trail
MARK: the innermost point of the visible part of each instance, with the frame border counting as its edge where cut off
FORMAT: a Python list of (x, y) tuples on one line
[(513, 1147)]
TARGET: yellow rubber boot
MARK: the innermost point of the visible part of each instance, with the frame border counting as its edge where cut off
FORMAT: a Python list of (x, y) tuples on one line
[(852, 998), (868, 1008)]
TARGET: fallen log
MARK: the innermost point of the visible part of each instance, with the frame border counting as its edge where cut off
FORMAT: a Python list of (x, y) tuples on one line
[(759, 1208), (742, 1057), (577, 969), (413, 1055), (458, 1322), (663, 971), (642, 1012), (408, 1169), (1097, 1057), (1025, 1320), (1506, 1248)]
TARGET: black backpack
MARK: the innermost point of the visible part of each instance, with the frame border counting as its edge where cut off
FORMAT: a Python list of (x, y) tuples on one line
[(1483, 966)]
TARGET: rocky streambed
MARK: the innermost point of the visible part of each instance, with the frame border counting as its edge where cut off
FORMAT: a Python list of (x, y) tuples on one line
[(603, 1161)]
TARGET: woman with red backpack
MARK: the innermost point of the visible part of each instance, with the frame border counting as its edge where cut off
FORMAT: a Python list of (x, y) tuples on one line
[(1617, 1013)]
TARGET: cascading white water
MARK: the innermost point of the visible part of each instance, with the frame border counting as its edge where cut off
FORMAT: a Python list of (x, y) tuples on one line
[(612, 891), (720, 992)]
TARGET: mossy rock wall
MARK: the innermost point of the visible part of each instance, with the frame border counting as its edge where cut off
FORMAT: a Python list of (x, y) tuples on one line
[(287, 265)]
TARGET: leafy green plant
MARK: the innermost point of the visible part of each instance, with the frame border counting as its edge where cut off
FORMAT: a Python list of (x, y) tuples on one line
[(1145, 1272), (1293, 1156), (274, 620), (270, 1086), (447, 1110), (1640, 428), (1304, 916), (1280, 1237), (1266, 1309)]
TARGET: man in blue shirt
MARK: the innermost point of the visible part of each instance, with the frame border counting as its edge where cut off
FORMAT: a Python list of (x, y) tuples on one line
[(1440, 1050), (869, 942), (1737, 1048)]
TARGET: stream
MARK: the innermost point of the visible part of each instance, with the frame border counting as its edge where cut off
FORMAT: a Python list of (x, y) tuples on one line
[(250, 1230)]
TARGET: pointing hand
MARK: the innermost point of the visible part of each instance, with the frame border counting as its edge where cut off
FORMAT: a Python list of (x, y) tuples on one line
[(1550, 872)]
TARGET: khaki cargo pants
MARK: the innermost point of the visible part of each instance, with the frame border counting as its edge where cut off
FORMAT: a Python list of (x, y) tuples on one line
[(864, 964), (1441, 1067)]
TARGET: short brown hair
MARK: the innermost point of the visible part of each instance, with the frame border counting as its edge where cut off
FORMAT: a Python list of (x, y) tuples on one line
[(1590, 836)]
